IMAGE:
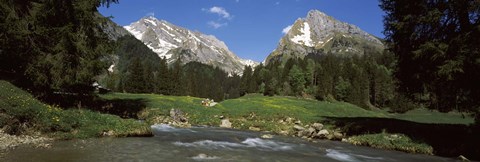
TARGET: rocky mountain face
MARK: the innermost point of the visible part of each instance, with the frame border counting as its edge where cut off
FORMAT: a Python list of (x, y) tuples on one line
[(173, 42), (320, 33)]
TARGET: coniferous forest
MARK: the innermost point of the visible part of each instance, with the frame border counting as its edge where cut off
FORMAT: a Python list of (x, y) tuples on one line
[(432, 62), (416, 90)]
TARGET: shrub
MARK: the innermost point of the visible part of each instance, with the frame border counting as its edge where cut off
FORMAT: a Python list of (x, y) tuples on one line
[(401, 104)]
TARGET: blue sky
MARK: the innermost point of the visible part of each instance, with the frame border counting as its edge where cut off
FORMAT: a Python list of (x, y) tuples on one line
[(250, 28)]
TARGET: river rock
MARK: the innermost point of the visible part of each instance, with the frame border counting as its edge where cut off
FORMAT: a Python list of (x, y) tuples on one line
[(283, 132), (109, 133), (289, 120), (201, 157), (317, 126), (306, 133), (267, 136), (8, 141), (298, 128), (226, 123), (177, 115), (310, 131), (337, 135), (254, 128), (322, 133)]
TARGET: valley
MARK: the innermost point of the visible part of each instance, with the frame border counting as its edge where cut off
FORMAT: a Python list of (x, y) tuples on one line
[(386, 80)]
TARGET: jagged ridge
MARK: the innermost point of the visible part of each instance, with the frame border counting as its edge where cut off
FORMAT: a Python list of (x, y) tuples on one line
[(173, 42), (319, 31)]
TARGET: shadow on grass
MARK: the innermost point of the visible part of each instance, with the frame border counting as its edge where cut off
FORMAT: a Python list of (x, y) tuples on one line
[(450, 140), (125, 108)]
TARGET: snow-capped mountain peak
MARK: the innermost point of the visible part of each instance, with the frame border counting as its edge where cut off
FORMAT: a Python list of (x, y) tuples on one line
[(173, 42), (320, 32)]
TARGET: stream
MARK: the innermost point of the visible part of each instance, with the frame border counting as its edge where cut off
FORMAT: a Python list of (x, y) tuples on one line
[(208, 144)]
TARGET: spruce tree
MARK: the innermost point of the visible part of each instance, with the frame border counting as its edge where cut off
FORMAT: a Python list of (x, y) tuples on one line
[(135, 81), (59, 44), (437, 46), (297, 80)]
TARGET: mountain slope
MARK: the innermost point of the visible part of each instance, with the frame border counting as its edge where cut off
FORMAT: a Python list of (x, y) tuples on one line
[(319, 32), (173, 42)]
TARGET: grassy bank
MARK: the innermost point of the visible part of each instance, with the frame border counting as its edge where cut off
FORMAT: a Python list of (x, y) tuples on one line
[(21, 114), (250, 110), (418, 131), (399, 142)]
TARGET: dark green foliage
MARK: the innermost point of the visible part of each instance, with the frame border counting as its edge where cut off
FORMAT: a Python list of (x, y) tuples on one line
[(363, 80), (21, 113), (401, 104), (438, 51), (205, 81), (247, 83), (147, 67), (135, 80), (296, 79), (162, 78), (51, 45), (341, 89), (139, 70)]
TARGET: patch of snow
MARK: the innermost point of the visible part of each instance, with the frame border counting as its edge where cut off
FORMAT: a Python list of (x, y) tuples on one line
[(168, 32), (151, 22), (214, 49), (305, 37), (166, 44), (177, 39), (163, 48), (248, 63), (135, 33), (191, 35), (168, 27)]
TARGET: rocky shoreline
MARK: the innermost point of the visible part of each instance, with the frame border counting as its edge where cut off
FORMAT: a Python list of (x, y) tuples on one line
[(9, 142), (292, 127), (286, 126)]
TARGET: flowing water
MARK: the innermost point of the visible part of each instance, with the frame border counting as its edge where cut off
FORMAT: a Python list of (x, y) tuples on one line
[(208, 144)]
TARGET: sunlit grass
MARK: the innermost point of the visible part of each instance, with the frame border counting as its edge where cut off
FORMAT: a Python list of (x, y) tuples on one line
[(388, 141), (19, 109)]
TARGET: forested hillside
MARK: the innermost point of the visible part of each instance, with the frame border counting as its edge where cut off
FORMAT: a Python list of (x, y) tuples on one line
[(136, 69), (52, 46)]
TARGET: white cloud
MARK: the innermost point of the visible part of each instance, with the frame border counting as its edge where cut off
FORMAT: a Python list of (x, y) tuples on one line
[(219, 11), (216, 25), (237, 1), (151, 14), (286, 29), (277, 3)]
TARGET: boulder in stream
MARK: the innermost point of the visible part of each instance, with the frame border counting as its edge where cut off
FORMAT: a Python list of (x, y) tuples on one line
[(298, 128), (317, 126), (226, 123), (322, 133)]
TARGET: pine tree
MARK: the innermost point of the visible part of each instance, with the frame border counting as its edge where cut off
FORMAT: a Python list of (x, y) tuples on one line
[(135, 81), (161, 79), (59, 45), (436, 43), (297, 80), (177, 79), (245, 82)]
